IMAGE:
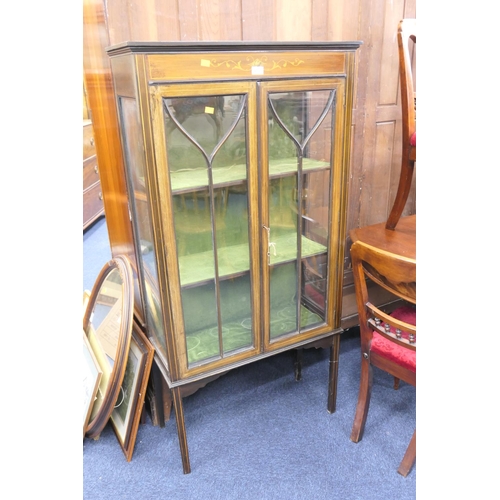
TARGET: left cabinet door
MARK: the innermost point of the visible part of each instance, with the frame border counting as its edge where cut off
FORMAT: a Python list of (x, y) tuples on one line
[(206, 182)]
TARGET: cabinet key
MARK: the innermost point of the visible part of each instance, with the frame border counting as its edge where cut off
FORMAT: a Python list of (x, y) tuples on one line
[(270, 244)]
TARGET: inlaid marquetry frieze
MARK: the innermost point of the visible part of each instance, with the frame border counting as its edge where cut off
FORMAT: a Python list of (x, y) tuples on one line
[(249, 63), (206, 66)]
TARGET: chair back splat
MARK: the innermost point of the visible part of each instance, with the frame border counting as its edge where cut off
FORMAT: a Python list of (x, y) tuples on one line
[(407, 37)]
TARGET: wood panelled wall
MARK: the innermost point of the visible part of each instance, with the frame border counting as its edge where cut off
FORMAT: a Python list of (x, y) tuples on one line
[(376, 145)]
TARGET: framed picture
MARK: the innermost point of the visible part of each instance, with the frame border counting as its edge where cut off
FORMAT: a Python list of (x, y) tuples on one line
[(126, 415), (91, 377)]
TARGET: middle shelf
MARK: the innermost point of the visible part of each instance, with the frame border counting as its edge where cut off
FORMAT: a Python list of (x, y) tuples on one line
[(233, 260)]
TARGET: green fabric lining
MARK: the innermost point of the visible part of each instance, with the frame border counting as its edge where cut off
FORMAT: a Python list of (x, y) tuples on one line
[(236, 335)]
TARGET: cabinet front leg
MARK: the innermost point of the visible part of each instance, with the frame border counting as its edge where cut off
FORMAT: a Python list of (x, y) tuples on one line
[(333, 373), (181, 429)]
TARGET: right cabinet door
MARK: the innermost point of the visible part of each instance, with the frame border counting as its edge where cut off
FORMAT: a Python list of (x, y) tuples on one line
[(302, 206)]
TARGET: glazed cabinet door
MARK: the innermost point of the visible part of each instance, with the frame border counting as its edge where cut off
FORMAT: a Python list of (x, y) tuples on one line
[(206, 156), (301, 204)]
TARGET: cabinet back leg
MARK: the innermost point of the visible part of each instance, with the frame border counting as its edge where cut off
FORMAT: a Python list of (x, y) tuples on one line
[(297, 364)]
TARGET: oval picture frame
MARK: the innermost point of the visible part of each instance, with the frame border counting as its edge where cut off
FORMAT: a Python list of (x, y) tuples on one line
[(107, 323)]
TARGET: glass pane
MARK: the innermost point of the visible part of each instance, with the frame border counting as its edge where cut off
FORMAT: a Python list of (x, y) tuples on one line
[(315, 229), (139, 196), (200, 322), (234, 265), (300, 144), (283, 247), (283, 280), (236, 311), (207, 158)]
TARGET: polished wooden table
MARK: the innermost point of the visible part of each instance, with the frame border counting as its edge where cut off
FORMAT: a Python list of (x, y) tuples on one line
[(401, 241)]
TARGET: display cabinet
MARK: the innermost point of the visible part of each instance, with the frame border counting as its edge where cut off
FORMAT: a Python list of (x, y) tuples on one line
[(236, 158)]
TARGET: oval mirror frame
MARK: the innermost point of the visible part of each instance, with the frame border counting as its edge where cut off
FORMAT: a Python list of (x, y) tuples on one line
[(111, 387)]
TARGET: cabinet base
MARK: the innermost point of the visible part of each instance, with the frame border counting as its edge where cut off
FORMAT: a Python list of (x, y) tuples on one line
[(165, 396)]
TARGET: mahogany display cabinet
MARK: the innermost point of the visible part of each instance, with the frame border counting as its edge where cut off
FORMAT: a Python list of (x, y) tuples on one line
[(236, 158)]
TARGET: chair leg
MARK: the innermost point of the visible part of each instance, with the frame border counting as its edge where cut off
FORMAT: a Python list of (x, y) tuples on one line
[(410, 455), (365, 389), (404, 187), (396, 383)]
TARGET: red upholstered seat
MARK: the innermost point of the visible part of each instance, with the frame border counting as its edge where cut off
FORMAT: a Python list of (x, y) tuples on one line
[(413, 139), (384, 347)]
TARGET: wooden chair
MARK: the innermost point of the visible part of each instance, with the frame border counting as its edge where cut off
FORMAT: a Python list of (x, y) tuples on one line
[(388, 341), (407, 30)]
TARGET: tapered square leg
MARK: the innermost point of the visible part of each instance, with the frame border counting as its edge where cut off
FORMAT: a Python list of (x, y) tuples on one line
[(181, 429), (333, 373)]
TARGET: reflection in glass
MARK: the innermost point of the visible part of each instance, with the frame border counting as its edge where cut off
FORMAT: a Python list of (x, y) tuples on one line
[(300, 128), (106, 316), (207, 161)]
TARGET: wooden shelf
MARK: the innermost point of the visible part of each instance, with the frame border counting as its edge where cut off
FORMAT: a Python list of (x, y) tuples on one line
[(234, 260), (284, 166), (197, 178)]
